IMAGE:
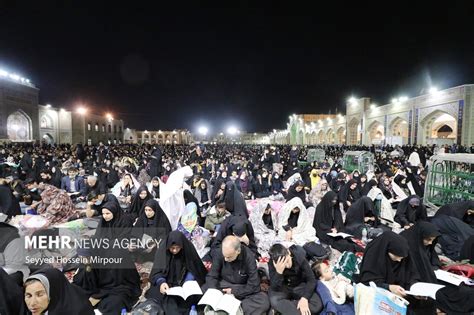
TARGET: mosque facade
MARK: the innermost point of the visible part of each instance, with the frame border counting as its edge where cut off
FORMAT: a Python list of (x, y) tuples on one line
[(438, 117), (177, 136), (23, 119)]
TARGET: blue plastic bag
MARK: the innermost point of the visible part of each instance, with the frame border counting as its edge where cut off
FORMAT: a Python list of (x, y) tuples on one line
[(371, 300)]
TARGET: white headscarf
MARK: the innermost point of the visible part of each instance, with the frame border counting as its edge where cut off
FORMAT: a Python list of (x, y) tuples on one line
[(292, 179), (304, 232), (171, 194), (263, 235)]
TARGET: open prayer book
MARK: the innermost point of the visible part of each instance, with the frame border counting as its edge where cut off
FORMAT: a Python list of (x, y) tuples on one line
[(220, 301), (189, 288), (452, 278), (147, 239), (340, 234), (424, 289)]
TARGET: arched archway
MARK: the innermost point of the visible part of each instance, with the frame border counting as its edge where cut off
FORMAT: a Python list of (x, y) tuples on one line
[(330, 136), (444, 132), (46, 122), (321, 137), (19, 126), (314, 137), (341, 135), (399, 128), (433, 123), (293, 133), (354, 131), (376, 133), (301, 137), (48, 139), (307, 138)]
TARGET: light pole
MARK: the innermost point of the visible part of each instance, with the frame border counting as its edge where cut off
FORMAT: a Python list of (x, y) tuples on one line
[(83, 111), (203, 132)]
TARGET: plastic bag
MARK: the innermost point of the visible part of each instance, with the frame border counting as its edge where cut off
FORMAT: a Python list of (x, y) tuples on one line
[(148, 307), (371, 300)]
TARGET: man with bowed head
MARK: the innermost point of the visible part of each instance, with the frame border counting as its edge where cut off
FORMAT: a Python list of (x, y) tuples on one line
[(292, 282), (234, 271)]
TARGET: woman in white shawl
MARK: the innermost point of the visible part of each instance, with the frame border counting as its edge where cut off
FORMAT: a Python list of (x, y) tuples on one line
[(295, 224), (292, 179), (125, 189), (401, 187), (171, 195), (265, 224), (414, 159), (319, 191), (387, 213), (203, 194)]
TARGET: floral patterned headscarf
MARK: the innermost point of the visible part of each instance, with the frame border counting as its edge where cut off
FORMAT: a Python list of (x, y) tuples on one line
[(189, 217)]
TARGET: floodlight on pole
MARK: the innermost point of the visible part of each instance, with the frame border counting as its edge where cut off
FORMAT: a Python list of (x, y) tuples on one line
[(232, 130), (403, 98), (109, 116), (203, 130), (352, 100), (81, 110)]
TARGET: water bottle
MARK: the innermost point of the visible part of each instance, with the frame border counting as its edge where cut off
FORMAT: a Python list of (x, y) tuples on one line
[(364, 235), (193, 310)]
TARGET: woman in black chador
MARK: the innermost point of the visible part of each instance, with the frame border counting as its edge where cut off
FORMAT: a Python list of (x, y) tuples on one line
[(410, 211), (48, 290), (327, 219), (422, 238), (360, 215), (175, 263)]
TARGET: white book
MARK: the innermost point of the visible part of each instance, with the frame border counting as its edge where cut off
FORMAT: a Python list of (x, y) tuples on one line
[(189, 288), (147, 239), (220, 301), (424, 289), (340, 234), (452, 278)]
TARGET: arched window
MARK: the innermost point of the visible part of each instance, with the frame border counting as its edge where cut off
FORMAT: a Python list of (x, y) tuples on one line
[(110, 128), (19, 126), (120, 129), (103, 128), (89, 126), (115, 129), (96, 127), (46, 122)]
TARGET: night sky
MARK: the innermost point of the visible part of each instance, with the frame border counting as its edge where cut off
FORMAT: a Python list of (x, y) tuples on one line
[(251, 66)]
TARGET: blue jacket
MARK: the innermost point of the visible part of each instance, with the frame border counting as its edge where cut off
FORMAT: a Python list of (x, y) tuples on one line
[(328, 304), (80, 185)]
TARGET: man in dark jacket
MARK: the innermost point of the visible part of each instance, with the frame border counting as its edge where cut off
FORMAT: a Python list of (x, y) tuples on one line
[(73, 184), (292, 284), (234, 271)]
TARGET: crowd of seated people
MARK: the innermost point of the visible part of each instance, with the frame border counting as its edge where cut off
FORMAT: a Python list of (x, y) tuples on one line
[(250, 221)]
